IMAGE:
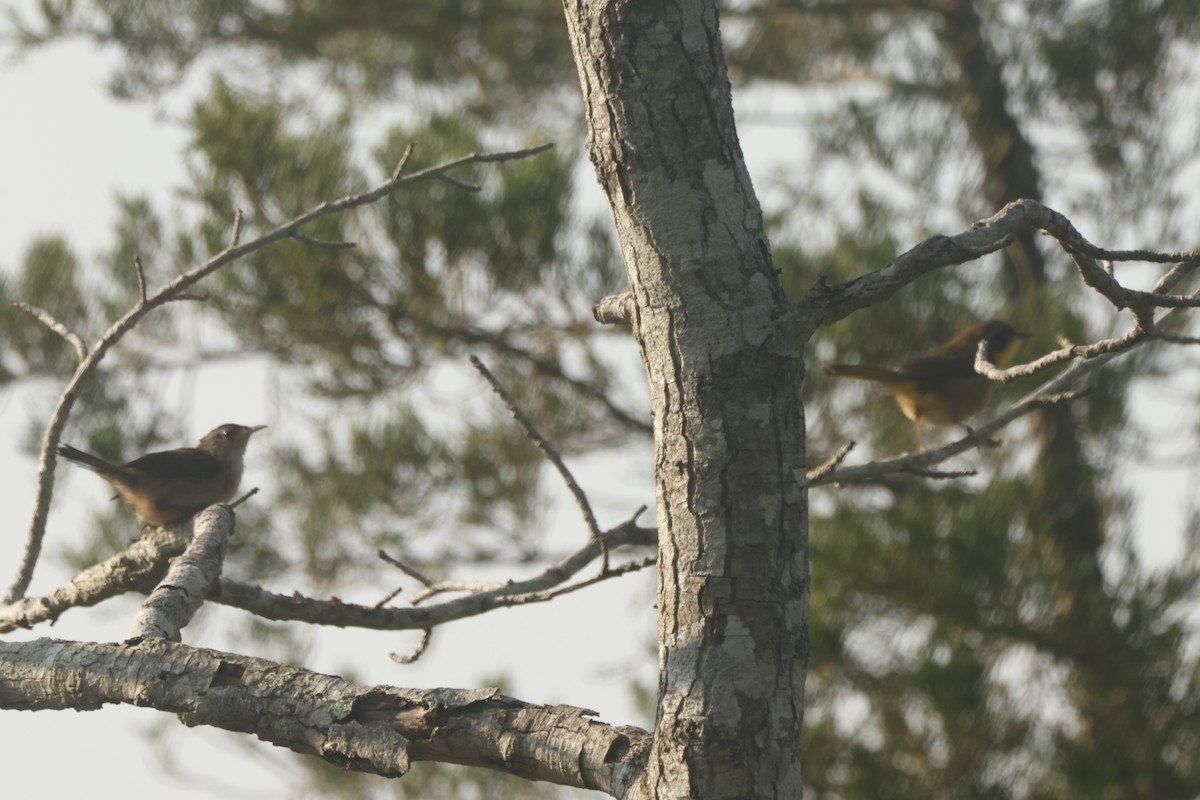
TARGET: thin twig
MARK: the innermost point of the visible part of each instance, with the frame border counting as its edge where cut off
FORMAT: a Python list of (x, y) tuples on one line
[(937, 474), (829, 466), (417, 652), (1047, 395), (182, 296), (510, 593), (1173, 276), (412, 572), (399, 170), (451, 587), (243, 498), (46, 318), (1103, 347), (539, 441), (389, 597), (470, 187), (141, 279), (235, 235), (620, 569), (320, 243)]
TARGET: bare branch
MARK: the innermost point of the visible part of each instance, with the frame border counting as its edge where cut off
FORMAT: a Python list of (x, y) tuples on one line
[(920, 463), (416, 652), (177, 598), (399, 170), (539, 441), (829, 466), (46, 318), (943, 475), (376, 729), (235, 235), (140, 566), (321, 243), (269, 605), (470, 187), (406, 569), (176, 290), (136, 568), (141, 279), (243, 498), (614, 572), (1142, 329), (1173, 276), (827, 303)]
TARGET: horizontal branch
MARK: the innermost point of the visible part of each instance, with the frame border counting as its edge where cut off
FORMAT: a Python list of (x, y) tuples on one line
[(373, 729), (920, 463), (141, 565), (826, 303), (539, 588)]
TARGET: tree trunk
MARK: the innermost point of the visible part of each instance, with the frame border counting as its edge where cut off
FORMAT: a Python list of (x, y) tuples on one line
[(725, 381)]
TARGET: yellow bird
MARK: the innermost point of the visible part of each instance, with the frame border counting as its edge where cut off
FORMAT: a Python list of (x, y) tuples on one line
[(942, 387)]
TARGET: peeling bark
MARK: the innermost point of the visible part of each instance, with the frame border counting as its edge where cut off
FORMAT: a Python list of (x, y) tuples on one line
[(375, 729), (725, 384)]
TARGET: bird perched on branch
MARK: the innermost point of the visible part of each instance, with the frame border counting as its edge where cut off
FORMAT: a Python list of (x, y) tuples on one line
[(172, 485), (942, 387)]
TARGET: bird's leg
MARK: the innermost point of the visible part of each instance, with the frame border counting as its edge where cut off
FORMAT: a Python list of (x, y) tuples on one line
[(920, 439)]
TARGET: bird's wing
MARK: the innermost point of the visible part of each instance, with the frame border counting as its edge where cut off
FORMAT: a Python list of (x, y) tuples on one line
[(927, 367), (186, 463)]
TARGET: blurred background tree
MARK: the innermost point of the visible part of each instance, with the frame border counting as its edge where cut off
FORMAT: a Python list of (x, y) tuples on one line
[(994, 637)]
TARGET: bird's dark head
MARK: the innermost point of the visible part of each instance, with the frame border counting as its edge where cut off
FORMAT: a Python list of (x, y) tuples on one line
[(1002, 341), (228, 441)]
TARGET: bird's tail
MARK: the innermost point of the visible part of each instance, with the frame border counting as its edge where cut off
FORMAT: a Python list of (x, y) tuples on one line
[(88, 460), (863, 373)]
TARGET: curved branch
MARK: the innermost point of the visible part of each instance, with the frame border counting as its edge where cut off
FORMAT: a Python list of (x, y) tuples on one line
[(826, 304)]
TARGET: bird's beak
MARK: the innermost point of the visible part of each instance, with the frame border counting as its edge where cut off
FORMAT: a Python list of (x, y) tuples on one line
[(255, 429)]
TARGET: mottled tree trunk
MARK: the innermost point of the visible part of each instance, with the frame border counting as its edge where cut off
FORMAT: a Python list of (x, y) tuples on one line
[(725, 387)]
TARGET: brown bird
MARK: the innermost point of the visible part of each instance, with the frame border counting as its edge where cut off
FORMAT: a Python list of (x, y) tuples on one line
[(172, 485), (942, 387)]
